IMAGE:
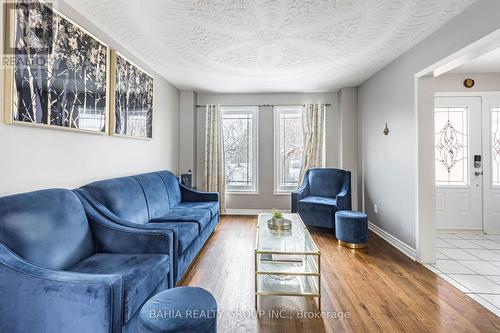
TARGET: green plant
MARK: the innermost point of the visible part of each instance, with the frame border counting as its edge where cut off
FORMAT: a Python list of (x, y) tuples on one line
[(277, 214)]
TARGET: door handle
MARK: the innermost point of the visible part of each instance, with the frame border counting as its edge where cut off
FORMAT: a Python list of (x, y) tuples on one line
[(478, 173)]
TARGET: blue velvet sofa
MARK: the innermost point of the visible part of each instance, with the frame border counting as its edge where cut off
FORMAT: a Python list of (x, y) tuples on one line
[(65, 269), (158, 201), (322, 193)]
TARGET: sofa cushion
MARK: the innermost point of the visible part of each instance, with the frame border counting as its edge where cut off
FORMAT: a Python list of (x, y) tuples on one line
[(184, 232), (318, 204), (319, 200), (124, 197), (48, 228), (141, 274), (212, 206), (200, 216), (155, 192), (171, 183), (325, 182), (317, 211)]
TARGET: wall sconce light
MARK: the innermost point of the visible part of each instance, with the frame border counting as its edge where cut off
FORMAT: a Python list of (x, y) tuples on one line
[(386, 130)]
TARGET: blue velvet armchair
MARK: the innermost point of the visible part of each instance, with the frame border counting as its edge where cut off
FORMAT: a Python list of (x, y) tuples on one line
[(322, 193), (61, 270)]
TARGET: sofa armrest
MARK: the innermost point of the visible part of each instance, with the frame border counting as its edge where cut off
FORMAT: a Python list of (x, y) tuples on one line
[(299, 194), (47, 300), (344, 196), (197, 196), (114, 235), (344, 201)]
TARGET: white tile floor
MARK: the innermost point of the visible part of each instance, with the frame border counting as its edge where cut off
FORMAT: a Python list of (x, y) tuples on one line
[(471, 262)]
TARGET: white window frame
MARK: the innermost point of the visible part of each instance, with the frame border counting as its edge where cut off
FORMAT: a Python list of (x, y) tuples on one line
[(278, 110), (253, 110)]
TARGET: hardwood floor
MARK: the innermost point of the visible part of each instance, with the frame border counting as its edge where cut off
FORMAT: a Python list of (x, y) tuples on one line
[(381, 289)]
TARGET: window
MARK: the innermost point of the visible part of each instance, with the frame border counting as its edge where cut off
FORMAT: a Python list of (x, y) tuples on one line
[(239, 129), (288, 147), (451, 146)]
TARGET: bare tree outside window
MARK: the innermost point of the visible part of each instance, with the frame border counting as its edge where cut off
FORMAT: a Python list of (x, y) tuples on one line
[(239, 136), (289, 147)]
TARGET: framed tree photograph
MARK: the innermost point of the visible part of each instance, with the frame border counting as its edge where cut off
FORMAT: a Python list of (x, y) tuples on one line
[(132, 114), (59, 75)]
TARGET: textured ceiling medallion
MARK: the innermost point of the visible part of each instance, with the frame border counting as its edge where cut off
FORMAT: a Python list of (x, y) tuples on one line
[(268, 45)]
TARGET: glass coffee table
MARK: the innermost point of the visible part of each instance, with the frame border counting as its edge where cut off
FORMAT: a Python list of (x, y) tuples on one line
[(287, 263)]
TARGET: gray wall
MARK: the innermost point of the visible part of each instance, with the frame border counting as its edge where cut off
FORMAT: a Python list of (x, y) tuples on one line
[(266, 198), (388, 162), (35, 158)]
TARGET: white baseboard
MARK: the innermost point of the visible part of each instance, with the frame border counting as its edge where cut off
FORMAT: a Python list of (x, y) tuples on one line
[(243, 211), (462, 231), (398, 244), (249, 211)]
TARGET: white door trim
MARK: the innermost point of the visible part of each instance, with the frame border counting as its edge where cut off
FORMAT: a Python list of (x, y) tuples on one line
[(425, 199)]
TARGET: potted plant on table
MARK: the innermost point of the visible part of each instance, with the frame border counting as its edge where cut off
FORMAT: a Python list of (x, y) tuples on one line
[(278, 222), (277, 215)]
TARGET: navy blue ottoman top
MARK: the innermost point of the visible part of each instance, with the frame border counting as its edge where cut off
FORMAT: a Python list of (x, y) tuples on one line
[(350, 214), (351, 227), (182, 309)]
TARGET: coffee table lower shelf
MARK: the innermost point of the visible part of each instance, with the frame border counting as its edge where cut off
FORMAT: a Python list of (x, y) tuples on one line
[(287, 283), (287, 263)]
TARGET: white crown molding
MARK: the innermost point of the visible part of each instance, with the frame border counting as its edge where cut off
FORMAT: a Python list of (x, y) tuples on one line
[(268, 45), (394, 241)]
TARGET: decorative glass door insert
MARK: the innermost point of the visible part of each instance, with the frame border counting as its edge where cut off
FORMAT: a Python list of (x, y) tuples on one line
[(451, 146), (495, 146)]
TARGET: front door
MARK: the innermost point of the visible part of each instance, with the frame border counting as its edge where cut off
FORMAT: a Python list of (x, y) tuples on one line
[(458, 162), (491, 177)]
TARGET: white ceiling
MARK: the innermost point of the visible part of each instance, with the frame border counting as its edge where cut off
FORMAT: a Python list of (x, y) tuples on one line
[(488, 63), (268, 45)]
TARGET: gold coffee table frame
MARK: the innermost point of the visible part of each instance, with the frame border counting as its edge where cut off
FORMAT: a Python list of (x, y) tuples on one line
[(280, 276)]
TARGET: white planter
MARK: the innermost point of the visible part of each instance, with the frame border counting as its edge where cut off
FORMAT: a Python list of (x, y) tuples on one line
[(279, 224)]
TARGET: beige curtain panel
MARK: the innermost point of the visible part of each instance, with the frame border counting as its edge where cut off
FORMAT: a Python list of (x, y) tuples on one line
[(214, 154), (313, 123)]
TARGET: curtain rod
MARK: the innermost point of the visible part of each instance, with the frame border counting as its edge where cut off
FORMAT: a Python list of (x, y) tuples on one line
[(259, 105)]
